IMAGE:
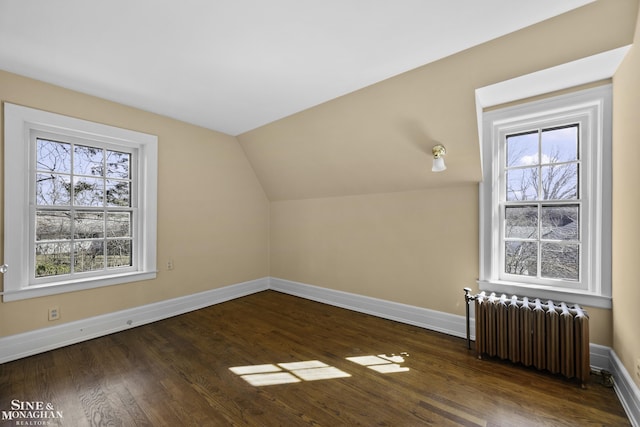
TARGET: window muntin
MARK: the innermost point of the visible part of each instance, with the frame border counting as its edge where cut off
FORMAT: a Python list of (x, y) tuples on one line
[(541, 204), (83, 208)]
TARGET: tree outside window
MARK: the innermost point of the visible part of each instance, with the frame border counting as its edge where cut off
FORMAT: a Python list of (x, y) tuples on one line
[(83, 208), (542, 203)]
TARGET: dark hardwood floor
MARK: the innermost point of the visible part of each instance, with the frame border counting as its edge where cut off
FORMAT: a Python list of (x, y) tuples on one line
[(178, 372)]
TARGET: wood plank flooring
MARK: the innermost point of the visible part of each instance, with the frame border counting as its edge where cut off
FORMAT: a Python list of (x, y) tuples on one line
[(177, 372)]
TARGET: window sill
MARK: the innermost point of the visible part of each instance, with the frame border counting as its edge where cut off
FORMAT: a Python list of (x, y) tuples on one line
[(71, 286), (569, 296)]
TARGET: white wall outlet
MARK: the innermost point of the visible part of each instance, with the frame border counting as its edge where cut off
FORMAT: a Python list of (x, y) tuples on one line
[(54, 313), (170, 264)]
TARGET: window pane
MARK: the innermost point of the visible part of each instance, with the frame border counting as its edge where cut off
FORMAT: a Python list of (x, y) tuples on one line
[(560, 182), (89, 225), (521, 222), (53, 225), (52, 156), (560, 145), (119, 224), (522, 150), (88, 191), (88, 256), (118, 253), (118, 164), (118, 193), (522, 184), (521, 258), (53, 259), (559, 222), (88, 161), (560, 261), (53, 190)]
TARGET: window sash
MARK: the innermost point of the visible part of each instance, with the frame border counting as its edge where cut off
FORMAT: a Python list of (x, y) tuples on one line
[(540, 242), (537, 124), (74, 209), (537, 128)]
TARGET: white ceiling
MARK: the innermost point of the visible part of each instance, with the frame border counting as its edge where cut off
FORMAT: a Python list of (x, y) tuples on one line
[(234, 65)]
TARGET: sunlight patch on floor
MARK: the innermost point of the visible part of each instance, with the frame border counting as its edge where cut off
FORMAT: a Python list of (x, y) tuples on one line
[(254, 369), (321, 373), (385, 364), (259, 380), (314, 370), (286, 373)]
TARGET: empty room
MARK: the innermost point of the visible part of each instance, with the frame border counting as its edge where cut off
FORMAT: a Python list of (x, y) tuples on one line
[(326, 213)]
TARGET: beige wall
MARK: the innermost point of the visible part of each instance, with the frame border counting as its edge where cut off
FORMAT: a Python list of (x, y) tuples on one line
[(414, 237), (416, 247), (626, 205), (212, 211)]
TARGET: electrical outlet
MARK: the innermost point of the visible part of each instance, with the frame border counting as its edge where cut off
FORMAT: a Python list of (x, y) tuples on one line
[(170, 264), (54, 313)]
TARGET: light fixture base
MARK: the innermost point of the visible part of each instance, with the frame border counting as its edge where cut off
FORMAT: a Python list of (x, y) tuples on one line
[(439, 151)]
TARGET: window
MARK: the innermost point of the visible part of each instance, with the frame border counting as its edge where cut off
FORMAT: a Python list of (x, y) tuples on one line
[(545, 200), (80, 204)]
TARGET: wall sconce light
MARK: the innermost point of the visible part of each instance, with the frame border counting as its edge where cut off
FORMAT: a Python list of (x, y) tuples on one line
[(438, 160)]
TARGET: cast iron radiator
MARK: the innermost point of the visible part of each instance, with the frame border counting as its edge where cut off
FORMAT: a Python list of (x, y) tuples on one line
[(549, 336)]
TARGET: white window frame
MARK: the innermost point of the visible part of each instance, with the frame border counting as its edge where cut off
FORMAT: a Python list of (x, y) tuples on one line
[(21, 124), (591, 107)]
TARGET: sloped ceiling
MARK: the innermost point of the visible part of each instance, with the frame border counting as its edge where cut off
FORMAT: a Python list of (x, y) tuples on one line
[(234, 65), (379, 138), (326, 98)]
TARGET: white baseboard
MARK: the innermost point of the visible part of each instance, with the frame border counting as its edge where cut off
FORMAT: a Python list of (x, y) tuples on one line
[(604, 358), (600, 357), (626, 389), (26, 344), (429, 319)]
